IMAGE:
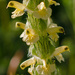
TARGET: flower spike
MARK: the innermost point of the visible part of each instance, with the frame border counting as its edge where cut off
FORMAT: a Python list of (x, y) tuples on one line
[(41, 34)]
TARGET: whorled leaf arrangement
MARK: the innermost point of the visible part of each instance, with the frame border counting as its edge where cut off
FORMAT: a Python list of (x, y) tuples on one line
[(40, 33)]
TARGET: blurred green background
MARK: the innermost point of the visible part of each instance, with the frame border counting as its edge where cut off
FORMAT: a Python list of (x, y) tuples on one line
[(13, 50)]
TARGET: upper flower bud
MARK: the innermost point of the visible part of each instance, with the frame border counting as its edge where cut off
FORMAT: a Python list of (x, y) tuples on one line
[(41, 6), (42, 11)]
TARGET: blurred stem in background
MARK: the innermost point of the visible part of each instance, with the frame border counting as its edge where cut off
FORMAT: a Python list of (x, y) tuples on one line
[(68, 5), (70, 9), (72, 59), (4, 26), (10, 43), (4, 15), (74, 16)]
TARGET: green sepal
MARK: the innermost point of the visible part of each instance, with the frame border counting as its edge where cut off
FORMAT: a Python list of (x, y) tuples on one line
[(46, 3), (42, 25), (52, 42)]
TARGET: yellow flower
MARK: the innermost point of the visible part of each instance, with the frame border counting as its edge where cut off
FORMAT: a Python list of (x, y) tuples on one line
[(19, 8), (31, 62), (41, 69), (53, 30), (32, 67), (27, 63), (42, 11), (58, 51), (51, 2), (29, 36)]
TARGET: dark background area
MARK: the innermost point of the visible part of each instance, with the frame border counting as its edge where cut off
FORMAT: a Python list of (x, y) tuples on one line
[(14, 51)]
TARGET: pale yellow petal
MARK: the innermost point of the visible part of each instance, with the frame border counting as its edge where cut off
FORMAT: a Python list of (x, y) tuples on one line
[(20, 24), (41, 6), (54, 36), (27, 63), (30, 70), (44, 13), (59, 57), (15, 4), (17, 13), (55, 30), (52, 25), (22, 35), (41, 70), (49, 22), (60, 50)]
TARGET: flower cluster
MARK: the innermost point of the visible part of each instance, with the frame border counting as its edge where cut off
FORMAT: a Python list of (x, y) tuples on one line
[(41, 34)]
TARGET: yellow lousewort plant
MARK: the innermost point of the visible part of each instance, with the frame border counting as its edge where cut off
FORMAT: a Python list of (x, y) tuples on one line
[(40, 33)]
